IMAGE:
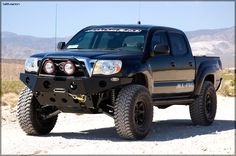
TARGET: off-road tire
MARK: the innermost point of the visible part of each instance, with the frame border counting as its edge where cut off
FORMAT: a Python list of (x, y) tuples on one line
[(130, 100), (28, 116), (203, 109)]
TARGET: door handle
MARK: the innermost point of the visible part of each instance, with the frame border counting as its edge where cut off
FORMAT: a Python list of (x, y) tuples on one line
[(190, 64), (172, 64)]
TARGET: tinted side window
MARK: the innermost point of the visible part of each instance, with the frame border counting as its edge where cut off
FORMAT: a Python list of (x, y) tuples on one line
[(178, 44), (159, 38)]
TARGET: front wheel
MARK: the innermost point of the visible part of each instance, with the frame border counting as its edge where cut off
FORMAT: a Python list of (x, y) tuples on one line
[(30, 114), (203, 109), (133, 112)]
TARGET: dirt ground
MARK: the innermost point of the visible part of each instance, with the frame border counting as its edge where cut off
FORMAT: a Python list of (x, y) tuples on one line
[(172, 133)]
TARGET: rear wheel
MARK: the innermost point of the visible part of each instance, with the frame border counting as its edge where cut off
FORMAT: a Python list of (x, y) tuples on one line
[(133, 112), (31, 115), (203, 109)]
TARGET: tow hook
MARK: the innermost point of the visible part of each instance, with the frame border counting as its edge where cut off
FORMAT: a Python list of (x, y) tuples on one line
[(80, 98)]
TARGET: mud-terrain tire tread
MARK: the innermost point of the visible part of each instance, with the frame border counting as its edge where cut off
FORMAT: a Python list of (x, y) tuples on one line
[(124, 100), (197, 108), (27, 118)]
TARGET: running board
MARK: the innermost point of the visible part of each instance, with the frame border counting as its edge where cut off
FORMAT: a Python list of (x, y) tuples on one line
[(172, 102)]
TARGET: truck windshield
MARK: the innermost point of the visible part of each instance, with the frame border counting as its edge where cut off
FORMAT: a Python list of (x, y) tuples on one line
[(109, 39)]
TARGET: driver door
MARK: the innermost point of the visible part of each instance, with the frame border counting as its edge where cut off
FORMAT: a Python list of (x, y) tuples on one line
[(162, 70)]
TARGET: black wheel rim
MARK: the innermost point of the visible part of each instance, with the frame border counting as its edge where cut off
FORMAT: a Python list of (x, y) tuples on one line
[(209, 106), (139, 114)]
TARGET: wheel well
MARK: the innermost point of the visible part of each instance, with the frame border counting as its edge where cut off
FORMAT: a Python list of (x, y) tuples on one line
[(140, 79), (210, 78)]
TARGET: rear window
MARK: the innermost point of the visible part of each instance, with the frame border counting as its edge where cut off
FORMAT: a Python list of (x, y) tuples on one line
[(178, 44)]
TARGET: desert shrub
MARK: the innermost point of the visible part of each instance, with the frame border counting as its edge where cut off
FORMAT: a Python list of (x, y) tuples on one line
[(11, 87), (232, 83), (228, 83), (224, 90)]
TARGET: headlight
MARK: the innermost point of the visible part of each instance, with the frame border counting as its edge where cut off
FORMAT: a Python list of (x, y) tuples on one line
[(31, 64), (107, 67)]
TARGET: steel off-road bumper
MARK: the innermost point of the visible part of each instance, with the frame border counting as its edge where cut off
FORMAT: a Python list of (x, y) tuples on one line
[(58, 90)]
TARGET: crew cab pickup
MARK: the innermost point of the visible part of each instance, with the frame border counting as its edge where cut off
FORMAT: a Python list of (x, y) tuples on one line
[(122, 71)]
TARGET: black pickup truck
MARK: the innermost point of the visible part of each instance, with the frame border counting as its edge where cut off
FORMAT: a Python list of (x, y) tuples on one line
[(122, 71)]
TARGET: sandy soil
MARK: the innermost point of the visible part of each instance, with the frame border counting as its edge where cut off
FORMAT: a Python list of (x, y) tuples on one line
[(172, 133)]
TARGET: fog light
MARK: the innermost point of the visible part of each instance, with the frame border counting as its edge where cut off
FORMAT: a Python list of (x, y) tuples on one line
[(69, 68), (49, 67), (115, 79)]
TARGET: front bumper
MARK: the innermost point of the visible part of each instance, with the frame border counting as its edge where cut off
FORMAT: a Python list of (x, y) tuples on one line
[(83, 85), (56, 91)]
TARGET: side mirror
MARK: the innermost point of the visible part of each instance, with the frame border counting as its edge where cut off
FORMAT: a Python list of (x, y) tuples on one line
[(161, 49), (61, 45)]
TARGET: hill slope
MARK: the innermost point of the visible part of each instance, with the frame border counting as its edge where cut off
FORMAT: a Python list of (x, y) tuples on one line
[(216, 42)]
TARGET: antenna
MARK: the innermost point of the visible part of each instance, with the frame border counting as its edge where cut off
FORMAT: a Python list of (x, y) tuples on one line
[(139, 22), (56, 28)]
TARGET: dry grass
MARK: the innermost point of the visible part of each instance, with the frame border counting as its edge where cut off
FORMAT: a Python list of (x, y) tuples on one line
[(228, 85), (10, 72), (9, 99), (10, 69), (11, 87)]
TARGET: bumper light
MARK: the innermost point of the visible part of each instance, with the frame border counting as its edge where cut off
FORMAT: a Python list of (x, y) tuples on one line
[(69, 68), (49, 67)]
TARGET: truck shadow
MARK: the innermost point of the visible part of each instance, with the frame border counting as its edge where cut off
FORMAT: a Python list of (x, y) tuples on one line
[(161, 131)]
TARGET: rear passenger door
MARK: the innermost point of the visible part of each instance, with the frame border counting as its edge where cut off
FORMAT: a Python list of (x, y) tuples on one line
[(183, 63)]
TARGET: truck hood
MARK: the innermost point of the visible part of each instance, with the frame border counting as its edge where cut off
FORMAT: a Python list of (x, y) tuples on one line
[(93, 54)]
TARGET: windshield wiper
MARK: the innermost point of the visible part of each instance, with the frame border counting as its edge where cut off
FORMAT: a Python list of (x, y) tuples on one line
[(74, 48), (104, 48), (118, 49), (108, 49)]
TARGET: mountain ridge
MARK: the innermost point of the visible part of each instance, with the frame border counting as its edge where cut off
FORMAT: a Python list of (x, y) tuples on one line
[(210, 42)]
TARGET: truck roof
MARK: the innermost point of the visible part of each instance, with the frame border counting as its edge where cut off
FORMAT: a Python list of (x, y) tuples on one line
[(135, 26)]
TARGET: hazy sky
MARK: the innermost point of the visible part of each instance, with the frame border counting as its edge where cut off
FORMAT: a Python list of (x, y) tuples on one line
[(38, 18)]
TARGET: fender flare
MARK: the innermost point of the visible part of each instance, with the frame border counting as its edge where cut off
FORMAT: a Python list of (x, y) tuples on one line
[(203, 72), (147, 72)]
